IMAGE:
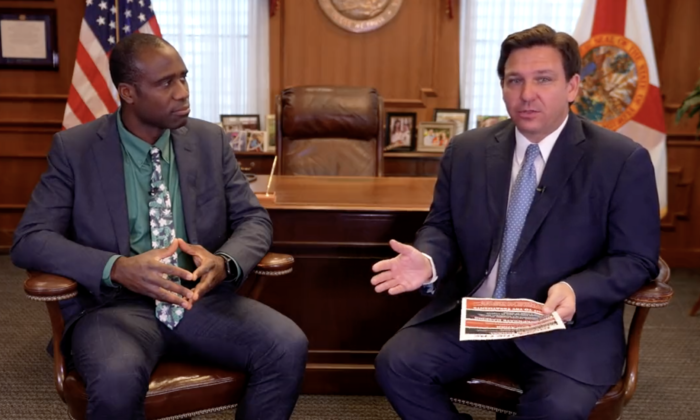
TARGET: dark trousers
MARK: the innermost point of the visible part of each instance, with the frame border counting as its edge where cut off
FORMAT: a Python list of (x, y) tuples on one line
[(416, 364), (115, 348)]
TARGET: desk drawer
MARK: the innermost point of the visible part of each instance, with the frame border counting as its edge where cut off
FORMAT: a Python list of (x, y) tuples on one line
[(261, 165)]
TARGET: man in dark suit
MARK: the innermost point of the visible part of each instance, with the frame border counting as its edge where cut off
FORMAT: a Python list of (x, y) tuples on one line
[(545, 206), (132, 205)]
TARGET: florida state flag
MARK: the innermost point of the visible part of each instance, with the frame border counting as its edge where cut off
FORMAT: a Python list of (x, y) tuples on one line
[(619, 80)]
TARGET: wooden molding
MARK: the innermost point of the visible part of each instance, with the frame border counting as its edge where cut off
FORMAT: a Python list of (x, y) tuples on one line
[(31, 123), (413, 155), (428, 92), (403, 103), (679, 199), (683, 139), (33, 97), (36, 126), (681, 258), (5, 207), (673, 107), (425, 92), (26, 156)]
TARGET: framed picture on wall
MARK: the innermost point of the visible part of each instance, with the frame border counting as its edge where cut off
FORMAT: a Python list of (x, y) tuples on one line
[(232, 122), (434, 136), (489, 120), (400, 129), (459, 116), (28, 39)]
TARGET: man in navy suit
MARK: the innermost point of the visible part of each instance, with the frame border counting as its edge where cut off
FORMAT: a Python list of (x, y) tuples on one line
[(545, 206), (149, 212)]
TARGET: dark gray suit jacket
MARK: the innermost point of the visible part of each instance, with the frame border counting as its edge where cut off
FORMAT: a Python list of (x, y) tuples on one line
[(77, 217), (595, 225)]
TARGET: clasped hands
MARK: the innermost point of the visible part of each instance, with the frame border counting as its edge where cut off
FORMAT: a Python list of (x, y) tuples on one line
[(410, 269), (144, 274)]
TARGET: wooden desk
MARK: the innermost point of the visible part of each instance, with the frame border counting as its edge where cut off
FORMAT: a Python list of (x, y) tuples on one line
[(336, 229), (397, 164)]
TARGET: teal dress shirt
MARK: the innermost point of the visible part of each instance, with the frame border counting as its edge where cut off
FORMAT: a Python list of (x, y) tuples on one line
[(137, 180)]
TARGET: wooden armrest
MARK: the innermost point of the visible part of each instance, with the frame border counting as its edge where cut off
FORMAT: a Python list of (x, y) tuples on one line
[(652, 295), (275, 265), (655, 294), (49, 287)]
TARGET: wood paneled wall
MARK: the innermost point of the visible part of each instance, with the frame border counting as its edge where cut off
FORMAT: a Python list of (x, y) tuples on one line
[(31, 111), (673, 27), (413, 61)]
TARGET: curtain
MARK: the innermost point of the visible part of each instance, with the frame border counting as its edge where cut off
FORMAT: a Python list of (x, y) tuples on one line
[(484, 24), (224, 44)]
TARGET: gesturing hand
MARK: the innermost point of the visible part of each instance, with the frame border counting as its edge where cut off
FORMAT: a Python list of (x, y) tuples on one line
[(210, 268), (404, 273), (562, 299), (144, 274)]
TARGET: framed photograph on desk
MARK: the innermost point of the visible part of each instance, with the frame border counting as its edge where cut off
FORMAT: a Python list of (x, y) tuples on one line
[(460, 117), (434, 136), (232, 123), (400, 129), (489, 120), (28, 39)]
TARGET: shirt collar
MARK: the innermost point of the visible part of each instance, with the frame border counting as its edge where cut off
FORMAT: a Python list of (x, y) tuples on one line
[(546, 145), (138, 150)]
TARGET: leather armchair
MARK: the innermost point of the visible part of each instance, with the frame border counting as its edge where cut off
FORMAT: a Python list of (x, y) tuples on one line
[(177, 390), (330, 131), (499, 393)]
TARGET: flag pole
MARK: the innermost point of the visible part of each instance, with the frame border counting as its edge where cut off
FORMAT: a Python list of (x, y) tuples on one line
[(116, 16)]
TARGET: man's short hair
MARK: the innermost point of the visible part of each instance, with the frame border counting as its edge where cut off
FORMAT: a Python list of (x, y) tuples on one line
[(122, 61), (543, 35)]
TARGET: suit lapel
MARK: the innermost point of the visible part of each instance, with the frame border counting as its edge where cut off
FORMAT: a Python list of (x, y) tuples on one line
[(110, 166), (186, 156), (565, 156), (499, 163)]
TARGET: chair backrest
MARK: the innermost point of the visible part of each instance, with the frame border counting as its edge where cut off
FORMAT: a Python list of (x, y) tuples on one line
[(330, 131)]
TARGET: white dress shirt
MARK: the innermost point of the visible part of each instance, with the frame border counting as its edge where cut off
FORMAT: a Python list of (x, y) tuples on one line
[(521, 144)]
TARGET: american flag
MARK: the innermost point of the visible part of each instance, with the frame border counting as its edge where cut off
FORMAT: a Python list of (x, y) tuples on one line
[(92, 93)]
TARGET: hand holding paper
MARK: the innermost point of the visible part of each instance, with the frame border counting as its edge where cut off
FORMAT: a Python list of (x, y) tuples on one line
[(498, 319), (562, 299)]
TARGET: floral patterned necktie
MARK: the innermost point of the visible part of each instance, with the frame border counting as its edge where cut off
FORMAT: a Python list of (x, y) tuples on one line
[(160, 212)]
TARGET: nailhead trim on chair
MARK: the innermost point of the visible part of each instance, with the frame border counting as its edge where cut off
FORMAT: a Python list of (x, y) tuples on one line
[(646, 305), (200, 413), (482, 407), (53, 298), (273, 273), (507, 388), (188, 415)]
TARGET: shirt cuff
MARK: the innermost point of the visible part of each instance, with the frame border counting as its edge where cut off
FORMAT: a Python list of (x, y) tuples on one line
[(432, 266), (106, 273), (238, 267)]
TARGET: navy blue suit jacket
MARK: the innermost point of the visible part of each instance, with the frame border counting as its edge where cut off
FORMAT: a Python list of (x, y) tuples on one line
[(77, 217), (595, 225)]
